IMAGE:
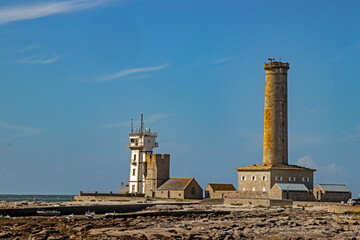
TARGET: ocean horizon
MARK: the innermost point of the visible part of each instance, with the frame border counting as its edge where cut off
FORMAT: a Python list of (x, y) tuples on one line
[(38, 197)]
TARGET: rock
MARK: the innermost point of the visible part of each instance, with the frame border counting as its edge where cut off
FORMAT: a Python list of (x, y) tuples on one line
[(5, 235), (54, 237), (158, 237), (229, 237), (176, 237), (40, 236), (238, 234), (221, 234)]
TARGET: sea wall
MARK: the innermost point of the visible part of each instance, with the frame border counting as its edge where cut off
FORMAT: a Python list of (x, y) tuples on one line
[(342, 209), (80, 210), (262, 202)]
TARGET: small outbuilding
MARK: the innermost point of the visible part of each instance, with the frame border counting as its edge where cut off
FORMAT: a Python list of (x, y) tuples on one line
[(332, 193), (294, 191), (218, 190), (183, 188)]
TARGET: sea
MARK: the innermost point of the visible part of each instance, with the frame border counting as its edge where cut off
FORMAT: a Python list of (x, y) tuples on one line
[(30, 197)]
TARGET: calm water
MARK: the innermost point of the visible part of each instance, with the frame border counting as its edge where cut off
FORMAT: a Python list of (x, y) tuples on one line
[(29, 197)]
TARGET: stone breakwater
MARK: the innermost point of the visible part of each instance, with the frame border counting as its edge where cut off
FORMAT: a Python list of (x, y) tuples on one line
[(191, 222)]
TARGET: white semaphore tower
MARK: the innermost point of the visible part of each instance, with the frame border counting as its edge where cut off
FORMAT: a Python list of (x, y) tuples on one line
[(142, 142)]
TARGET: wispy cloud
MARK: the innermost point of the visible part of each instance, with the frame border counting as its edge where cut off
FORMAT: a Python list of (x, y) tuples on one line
[(153, 118), (326, 172), (28, 48), (132, 71), (37, 59), (19, 130), (221, 60), (351, 48), (27, 12), (352, 137)]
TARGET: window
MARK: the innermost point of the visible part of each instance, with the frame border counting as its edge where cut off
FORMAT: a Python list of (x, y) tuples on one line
[(253, 189), (132, 188), (290, 178), (134, 172), (243, 178), (276, 178), (307, 179), (280, 178), (303, 179), (263, 178), (264, 189), (253, 178), (294, 179), (243, 189)]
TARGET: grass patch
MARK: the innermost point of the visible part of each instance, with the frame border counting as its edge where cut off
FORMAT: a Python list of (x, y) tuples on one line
[(352, 213), (236, 204), (157, 198), (261, 206)]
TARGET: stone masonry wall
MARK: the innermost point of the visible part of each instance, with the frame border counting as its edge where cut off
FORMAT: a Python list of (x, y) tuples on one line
[(275, 114)]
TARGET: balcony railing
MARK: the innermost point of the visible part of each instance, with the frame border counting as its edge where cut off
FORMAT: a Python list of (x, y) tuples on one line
[(151, 134), (134, 144)]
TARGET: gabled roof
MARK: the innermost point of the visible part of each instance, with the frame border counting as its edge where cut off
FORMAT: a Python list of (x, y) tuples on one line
[(299, 187), (334, 187), (222, 187), (175, 184), (265, 167)]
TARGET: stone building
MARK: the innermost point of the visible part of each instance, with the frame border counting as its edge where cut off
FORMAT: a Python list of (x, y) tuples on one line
[(183, 188), (255, 181), (218, 190), (294, 191), (159, 184), (332, 193), (157, 171)]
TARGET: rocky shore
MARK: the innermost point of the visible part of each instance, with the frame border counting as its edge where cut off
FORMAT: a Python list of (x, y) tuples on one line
[(190, 222)]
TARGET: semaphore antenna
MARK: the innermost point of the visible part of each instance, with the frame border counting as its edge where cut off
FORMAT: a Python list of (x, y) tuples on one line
[(132, 125), (142, 122)]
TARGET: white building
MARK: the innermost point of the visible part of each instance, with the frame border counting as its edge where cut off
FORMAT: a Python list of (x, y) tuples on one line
[(142, 141)]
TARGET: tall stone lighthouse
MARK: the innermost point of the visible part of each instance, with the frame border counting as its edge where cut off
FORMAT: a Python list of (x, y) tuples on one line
[(255, 181), (142, 142), (275, 149)]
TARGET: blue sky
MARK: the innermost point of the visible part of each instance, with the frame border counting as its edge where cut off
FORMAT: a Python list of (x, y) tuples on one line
[(73, 74)]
